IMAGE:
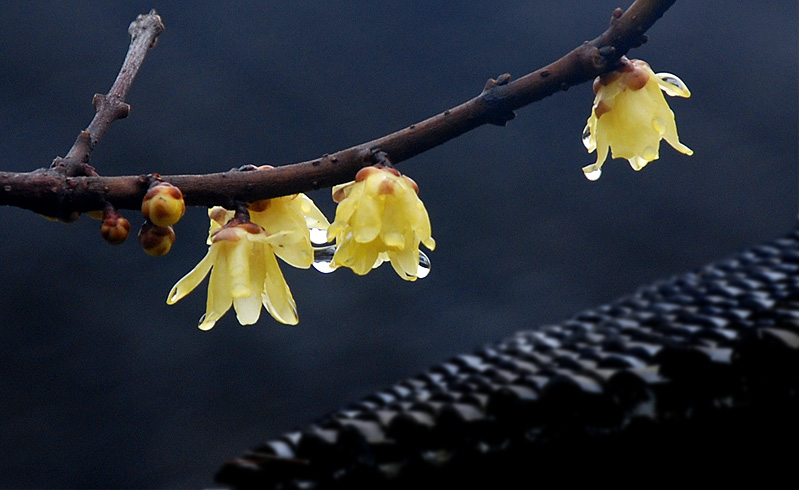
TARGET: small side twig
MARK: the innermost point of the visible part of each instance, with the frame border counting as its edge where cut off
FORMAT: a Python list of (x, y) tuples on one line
[(144, 32)]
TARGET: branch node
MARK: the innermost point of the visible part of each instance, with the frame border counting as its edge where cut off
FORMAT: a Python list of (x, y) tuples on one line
[(500, 80), (497, 113), (380, 159)]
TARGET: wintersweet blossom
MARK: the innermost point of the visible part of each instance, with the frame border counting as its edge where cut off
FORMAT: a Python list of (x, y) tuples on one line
[(244, 274), (631, 116), (241, 255), (288, 219), (379, 218)]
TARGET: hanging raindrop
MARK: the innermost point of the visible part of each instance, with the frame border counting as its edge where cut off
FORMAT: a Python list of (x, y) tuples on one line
[(202, 319), (674, 86), (424, 265), (322, 256), (593, 174), (587, 137), (318, 236)]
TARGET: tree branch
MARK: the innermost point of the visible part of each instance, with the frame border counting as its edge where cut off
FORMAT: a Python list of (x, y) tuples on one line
[(57, 194), (144, 32)]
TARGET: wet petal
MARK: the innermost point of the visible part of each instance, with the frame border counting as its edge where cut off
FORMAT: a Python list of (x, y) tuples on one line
[(219, 297), (276, 297), (191, 280), (367, 219), (248, 308)]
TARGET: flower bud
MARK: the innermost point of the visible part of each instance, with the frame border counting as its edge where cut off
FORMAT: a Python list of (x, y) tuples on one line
[(115, 228), (156, 240), (163, 204)]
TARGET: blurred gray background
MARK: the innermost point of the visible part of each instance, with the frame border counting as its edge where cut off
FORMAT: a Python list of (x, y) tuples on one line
[(104, 385)]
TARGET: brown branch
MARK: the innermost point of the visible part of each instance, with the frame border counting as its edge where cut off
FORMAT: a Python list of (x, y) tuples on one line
[(144, 32), (53, 194)]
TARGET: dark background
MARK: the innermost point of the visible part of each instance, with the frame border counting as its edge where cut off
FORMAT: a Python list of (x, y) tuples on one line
[(104, 385)]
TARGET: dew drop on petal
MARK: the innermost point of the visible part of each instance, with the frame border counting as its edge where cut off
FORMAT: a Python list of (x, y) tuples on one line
[(650, 153), (322, 256), (202, 319), (659, 125), (593, 174), (424, 265), (318, 236), (638, 162)]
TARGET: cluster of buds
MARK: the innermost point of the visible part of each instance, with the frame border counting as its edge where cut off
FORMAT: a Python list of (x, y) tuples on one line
[(162, 207)]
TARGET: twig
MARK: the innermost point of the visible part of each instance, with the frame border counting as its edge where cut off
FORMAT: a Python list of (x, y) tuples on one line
[(53, 194), (144, 32)]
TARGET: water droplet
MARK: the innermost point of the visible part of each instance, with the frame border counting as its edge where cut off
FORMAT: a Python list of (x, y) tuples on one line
[(202, 319), (318, 236), (587, 137), (659, 125), (424, 265), (673, 85), (593, 175), (322, 256)]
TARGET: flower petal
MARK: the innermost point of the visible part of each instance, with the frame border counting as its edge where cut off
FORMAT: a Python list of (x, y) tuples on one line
[(367, 219), (219, 297), (191, 280), (248, 308), (276, 297), (238, 266)]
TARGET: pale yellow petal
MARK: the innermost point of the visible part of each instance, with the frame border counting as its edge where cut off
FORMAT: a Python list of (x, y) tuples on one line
[(219, 297), (248, 308), (277, 298), (406, 262), (367, 219), (430, 243), (195, 276), (314, 218), (359, 257), (394, 224), (238, 267)]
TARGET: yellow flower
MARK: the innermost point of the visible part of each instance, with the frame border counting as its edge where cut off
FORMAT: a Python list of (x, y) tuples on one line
[(288, 220), (379, 218), (244, 274), (631, 116)]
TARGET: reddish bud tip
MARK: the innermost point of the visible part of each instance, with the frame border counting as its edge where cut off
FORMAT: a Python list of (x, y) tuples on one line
[(364, 173)]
